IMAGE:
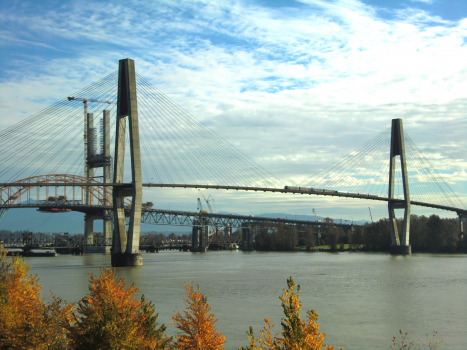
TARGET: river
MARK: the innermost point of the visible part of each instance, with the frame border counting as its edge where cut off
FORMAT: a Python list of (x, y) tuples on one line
[(363, 299)]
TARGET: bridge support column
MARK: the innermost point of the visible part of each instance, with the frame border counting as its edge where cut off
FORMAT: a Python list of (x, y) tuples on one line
[(399, 245), (247, 239), (228, 233), (91, 138), (202, 239), (89, 229), (125, 243), (195, 238), (107, 228), (106, 170)]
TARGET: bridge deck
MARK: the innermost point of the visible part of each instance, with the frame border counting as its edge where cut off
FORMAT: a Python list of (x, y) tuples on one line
[(320, 192)]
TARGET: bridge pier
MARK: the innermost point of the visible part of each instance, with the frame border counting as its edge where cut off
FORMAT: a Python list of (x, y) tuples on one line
[(228, 233), (195, 238), (89, 228), (106, 170), (91, 139), (247, 238), (125, 245), (98, 160), (203, 234), (399, 245)]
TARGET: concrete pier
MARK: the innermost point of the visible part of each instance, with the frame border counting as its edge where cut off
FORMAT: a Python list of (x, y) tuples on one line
[(127, 259), (195, 238), (247, 239), (89, 228)]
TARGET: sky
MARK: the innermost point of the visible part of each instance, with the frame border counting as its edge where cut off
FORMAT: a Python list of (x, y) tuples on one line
[(294, 85)]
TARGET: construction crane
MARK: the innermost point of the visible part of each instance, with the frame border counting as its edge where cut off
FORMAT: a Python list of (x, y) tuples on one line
[(85, 103), (214, 227), (200, 207), (316, 217), (371, 216), (207, 201)]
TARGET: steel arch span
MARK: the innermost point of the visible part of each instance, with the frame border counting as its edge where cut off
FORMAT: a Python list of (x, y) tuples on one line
[(11, 195)]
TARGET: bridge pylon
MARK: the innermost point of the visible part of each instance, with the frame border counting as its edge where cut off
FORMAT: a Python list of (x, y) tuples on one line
[(399, 244), (125, 245)]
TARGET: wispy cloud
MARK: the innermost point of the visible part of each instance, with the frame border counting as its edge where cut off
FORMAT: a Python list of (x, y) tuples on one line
[(424, 1), (293, 87)]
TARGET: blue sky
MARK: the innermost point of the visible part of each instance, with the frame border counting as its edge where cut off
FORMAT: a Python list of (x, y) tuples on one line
[(325, 76)]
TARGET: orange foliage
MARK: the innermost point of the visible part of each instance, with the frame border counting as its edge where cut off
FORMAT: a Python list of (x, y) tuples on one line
[(296, 334), (26, 322), (405, 343), (197, 324), (110, 317)]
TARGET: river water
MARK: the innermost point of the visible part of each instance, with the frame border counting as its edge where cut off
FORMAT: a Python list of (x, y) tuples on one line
[(363, 299)]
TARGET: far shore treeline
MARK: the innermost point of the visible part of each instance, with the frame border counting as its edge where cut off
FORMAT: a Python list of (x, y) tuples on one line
[(427, 234)]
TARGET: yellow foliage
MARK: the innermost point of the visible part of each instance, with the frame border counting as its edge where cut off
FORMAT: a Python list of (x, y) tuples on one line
[(197, 324), (432, 342), (110, 317), (26, 322), (296, 334)]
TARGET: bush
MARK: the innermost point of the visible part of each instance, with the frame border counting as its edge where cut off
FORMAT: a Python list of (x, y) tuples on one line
[(110, 317), (296, 334)]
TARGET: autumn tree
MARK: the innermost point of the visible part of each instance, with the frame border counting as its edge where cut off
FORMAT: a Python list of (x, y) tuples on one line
[(197, 324), (296, 334), (26, 321), (110, 317)]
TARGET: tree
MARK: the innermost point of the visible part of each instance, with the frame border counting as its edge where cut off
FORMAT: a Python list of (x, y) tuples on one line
[(197, 324), (26, 321), (110, 317), (309, 238), (296, 334), (276, 237)]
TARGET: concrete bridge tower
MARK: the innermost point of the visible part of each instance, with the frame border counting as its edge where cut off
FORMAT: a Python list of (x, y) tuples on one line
[(399, 245), (98, 160), (125, 244)]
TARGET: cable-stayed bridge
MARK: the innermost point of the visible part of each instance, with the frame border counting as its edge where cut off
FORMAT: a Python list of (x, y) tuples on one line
[(43, 163)]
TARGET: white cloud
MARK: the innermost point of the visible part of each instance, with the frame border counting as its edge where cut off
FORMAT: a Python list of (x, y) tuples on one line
[(295, 89)]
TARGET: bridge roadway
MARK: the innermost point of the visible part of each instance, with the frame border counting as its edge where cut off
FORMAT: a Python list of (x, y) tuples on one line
[(287, 189), (182, 218)]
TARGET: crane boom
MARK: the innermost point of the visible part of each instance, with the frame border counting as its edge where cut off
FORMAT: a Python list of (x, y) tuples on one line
[(86, 100), (207, 201)]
